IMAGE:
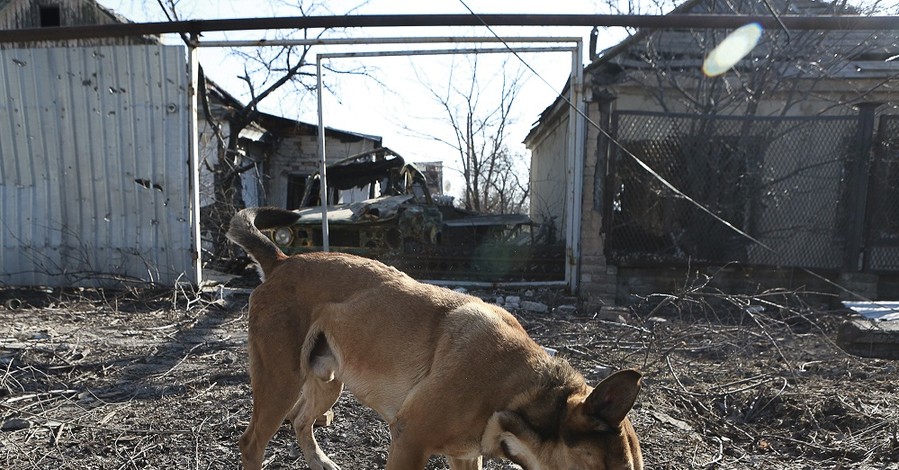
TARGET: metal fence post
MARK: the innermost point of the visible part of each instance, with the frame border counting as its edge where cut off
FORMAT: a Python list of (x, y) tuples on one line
[(858, 188)]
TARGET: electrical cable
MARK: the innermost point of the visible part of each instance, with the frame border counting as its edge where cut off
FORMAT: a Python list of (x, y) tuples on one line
[(649, 169)]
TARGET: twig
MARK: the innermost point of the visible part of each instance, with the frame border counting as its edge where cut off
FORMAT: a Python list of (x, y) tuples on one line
[(184, 358), (92, 426), (51, 393), (676, 378), (718, 457)]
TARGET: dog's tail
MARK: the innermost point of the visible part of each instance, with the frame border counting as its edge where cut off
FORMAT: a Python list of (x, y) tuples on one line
[(244, 230)]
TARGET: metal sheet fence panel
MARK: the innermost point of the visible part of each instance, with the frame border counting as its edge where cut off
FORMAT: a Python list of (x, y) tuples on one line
[(883, 201), (781, 180), (94, 174)]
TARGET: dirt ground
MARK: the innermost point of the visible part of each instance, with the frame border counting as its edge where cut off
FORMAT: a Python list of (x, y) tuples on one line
[(150, 379)]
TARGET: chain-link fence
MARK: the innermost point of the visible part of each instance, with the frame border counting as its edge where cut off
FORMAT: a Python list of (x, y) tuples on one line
[(882, 252), (785, 182)]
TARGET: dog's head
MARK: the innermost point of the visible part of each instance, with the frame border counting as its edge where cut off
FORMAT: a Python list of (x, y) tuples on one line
[(590, 430)]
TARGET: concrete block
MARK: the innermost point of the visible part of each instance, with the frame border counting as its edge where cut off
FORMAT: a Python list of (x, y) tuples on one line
[(863, 285), (611, 313), (536, 307), (870, 338)]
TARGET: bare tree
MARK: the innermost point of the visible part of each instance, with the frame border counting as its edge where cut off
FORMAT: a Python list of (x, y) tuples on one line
[(726, 164), (479, 114), (788, 64), (267, 72)]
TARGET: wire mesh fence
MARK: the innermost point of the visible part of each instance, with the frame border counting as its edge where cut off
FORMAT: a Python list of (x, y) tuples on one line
[(882, 252), (786, 182)]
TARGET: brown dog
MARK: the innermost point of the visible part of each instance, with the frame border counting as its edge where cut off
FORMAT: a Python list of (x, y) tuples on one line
[(451, 374)]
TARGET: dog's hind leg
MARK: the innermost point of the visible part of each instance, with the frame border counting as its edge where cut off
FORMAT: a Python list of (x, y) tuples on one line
[(320, 392), (317, 397), (464, 464), (272, 398)]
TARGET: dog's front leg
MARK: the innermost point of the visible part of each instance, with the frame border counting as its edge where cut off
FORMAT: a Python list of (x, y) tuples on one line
[(404, 458), (406, 452)]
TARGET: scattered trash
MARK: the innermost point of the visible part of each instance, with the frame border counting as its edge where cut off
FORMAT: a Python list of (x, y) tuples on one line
[(754, 309), (882, 311)]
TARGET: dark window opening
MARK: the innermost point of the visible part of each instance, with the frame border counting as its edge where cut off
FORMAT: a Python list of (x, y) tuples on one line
[(51, 15), (296, 186)]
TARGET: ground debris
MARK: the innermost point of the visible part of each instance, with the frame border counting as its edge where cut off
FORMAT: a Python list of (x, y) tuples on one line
[(140, 380)]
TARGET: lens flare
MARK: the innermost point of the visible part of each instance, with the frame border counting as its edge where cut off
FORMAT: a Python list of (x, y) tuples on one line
[(732, 49)]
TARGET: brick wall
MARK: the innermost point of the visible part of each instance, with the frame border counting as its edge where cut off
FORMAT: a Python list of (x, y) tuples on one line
[(598, 281)]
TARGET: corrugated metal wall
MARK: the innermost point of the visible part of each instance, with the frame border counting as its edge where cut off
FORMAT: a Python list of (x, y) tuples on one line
[(94, 165)]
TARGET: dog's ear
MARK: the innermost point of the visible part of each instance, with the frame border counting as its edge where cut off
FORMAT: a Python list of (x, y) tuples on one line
[(610, 401), (515, 438)]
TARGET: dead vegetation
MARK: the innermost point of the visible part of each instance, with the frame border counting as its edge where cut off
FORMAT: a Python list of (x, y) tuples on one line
[(142, 380)]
